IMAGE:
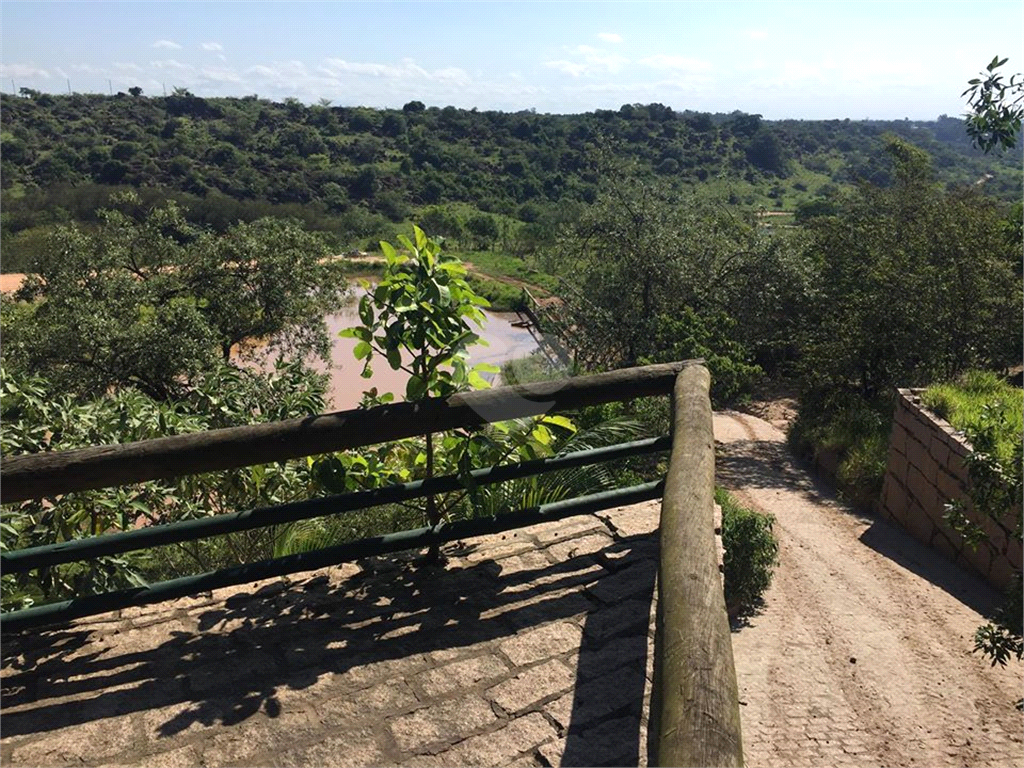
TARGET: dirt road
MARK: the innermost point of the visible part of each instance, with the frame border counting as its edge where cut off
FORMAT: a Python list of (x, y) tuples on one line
[(861, 655)]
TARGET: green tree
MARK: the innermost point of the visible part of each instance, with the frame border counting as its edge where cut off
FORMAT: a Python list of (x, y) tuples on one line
[(766, 152), (811, 209), (944, 249), (484, 230), (149, 301), (641, 265), (37, 416), (418, 317)]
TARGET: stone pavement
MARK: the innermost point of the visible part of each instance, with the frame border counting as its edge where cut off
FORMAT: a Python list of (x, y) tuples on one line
[(861, 653), (531, 648)]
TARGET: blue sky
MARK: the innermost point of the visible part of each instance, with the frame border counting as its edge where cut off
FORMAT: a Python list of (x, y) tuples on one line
[(813, 60)]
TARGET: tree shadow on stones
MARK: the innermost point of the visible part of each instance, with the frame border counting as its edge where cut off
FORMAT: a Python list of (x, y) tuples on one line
[(607, 724), (224, 662)]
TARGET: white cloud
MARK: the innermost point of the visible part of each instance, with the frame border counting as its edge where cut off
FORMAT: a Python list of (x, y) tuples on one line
[(168, 44), (336, 67), (212, 47), (610, 37), (451, 74), (570, 68), (678, 63), (595, 61), (23, 70), (755, 34), (220, 75), (406, 69), (173, 65)]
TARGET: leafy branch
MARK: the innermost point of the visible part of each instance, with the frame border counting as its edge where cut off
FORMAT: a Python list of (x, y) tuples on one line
[(997, 107)]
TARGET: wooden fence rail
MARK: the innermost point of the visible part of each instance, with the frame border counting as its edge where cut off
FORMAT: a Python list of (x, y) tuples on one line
[(48, 474), (695, 714)]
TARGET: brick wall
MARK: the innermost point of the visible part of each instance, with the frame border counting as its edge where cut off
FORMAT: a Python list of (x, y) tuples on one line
[(926, 469)]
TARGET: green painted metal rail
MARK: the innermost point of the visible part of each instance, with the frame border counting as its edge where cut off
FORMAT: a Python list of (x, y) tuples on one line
[(67, 610), (115, 543)]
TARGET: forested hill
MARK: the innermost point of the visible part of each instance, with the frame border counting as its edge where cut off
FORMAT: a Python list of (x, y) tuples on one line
[(352, 170)]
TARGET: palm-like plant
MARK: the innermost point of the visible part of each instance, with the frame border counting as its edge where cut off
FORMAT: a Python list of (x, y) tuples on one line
[(561, 484)]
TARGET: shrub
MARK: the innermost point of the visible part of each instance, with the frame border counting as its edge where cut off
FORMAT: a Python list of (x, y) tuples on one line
[(751, 552)]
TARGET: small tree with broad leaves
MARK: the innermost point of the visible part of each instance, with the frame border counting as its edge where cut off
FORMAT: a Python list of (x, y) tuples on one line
[(418, 318)]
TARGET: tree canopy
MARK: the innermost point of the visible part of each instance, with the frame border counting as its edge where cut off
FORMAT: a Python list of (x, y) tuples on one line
[(149, 301)]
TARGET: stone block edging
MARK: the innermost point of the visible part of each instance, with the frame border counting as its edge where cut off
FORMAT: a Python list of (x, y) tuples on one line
[(927, 468)]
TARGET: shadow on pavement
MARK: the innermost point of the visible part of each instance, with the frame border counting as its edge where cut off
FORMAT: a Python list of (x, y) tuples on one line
[(229, 660), (767, 465), (889, 539)]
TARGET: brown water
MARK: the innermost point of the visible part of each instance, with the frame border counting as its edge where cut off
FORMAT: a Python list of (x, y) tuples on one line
[(505, 342)]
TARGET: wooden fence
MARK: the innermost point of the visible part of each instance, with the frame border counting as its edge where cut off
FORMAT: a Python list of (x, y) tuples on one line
[(694, 703)]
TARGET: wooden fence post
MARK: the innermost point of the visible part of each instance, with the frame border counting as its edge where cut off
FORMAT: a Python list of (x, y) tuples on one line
[(695, 718)]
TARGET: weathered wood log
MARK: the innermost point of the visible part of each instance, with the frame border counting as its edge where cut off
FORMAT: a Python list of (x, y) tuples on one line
[(49, 474), (695, 717)]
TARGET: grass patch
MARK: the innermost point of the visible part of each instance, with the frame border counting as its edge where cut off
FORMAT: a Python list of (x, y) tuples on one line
[(498, 264), (856, 431), (981, 400), (502, 296)]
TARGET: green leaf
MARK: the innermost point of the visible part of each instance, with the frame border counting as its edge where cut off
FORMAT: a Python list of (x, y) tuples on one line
[(365, 311), (362, 350), (564, 422), (415, 388), (407, 243), (476, 381), (394, 358), (389, 251), (541, 434), (421, 237), (355, 332)]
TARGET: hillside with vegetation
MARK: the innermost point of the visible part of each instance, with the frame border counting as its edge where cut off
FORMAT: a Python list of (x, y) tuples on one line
[(163, 234), (479, 178)]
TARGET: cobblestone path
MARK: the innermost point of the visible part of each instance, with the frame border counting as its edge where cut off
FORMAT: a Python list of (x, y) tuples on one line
[(861, 656), (530, 648)]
